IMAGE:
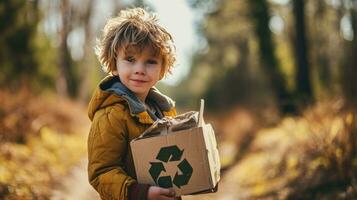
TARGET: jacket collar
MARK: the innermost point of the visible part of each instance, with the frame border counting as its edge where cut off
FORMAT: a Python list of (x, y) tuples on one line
[(113, 84)]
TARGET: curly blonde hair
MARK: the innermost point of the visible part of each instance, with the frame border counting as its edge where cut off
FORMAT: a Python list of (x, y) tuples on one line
[(134, 28)]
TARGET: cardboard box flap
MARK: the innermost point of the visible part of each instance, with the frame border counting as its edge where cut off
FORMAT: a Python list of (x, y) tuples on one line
[(213, 155), (200, 119), (211, 147)]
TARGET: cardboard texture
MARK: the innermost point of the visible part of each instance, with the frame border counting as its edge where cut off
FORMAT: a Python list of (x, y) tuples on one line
[(185, 160)]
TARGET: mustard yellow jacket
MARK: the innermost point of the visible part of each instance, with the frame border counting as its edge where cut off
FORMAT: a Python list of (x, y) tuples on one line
[(117, 118)]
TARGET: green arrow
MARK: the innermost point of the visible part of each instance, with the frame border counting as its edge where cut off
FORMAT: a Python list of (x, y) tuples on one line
[(155, 170), (170, 151), (186, 169), (165, 182)]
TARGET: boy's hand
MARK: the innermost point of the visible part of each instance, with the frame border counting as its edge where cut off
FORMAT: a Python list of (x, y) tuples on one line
[(158, 193)]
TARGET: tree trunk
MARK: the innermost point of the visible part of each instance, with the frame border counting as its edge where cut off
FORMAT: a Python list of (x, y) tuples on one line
[(303, 83), (88, 53), (260, 16), (350, 66), (65, 77), (321, 47)]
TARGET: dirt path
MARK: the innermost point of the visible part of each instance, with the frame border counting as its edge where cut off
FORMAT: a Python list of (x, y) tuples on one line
[(228, 189), (76, 186)]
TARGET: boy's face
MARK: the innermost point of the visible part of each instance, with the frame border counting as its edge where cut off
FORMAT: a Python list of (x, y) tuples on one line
[(139, 71)]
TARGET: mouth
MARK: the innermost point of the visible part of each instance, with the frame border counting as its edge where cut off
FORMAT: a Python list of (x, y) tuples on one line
[(138, 81)]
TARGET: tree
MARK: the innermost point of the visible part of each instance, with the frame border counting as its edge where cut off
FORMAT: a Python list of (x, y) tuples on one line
[(349, 63), (303, 91), (225, 70), (88, 55), (319, 45), (66, 81), (18, 23), (260, 17)]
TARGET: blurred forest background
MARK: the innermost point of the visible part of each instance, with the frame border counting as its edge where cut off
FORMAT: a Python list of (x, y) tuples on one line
[(278, 77)]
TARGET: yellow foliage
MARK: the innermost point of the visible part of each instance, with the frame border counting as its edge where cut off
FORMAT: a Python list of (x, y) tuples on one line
[(5, 174), (349, 118), (300, 150), (292, 162), (34, 167), (320, 161)]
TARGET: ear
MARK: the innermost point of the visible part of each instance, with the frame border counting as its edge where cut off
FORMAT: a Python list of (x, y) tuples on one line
[(115, 73)]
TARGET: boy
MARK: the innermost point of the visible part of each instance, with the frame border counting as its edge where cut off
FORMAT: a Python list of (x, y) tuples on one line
[(137, 53)]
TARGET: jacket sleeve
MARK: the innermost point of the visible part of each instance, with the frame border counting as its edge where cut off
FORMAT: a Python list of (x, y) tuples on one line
[(107, 147)]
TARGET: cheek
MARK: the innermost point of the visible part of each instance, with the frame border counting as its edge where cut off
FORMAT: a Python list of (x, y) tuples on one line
[(158, 72), (122, 68)]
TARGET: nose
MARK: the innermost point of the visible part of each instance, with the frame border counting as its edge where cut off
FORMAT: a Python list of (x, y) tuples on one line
[(139, 68)]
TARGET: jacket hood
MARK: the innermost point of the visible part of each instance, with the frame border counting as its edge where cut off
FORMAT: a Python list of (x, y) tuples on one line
[(111, 91)]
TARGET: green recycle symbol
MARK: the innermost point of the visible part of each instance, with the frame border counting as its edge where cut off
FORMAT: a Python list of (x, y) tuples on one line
[(170, 153)]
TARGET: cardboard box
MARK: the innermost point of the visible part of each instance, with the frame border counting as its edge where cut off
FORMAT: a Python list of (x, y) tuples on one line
[(185, 160)]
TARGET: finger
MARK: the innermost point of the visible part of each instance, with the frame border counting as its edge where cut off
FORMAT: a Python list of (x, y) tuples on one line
[(168, 192), (172, 192)]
